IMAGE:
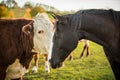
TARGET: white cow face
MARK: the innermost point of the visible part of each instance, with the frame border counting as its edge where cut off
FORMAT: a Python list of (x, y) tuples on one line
[(42, 32)]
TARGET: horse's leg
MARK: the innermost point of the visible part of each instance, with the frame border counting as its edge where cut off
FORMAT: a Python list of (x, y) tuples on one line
[(87, 45), (84, 48), (114, 62), (2, 74), (36, 59), (47, 69), (70, 57)]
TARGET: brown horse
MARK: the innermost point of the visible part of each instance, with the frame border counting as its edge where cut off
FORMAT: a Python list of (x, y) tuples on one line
[(85, 48)]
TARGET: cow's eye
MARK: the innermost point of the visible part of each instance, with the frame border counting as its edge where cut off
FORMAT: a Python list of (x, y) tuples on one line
[(41, 32)]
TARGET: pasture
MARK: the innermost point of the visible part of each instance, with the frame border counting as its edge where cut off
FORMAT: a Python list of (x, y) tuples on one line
[(94, 67)]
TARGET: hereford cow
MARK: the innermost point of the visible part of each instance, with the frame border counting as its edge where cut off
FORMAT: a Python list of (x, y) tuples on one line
[(17, 39), (43, 36)]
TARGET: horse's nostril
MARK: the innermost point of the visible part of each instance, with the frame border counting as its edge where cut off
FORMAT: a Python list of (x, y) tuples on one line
[(49, 60)]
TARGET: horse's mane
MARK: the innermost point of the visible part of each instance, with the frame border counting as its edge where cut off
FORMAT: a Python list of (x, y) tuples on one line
[(76, 17), (116, 17)]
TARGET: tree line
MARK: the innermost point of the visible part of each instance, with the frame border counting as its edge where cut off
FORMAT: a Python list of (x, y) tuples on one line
[(8, 7)]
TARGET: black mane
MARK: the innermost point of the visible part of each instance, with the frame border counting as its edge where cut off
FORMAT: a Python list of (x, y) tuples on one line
[(76, 17)]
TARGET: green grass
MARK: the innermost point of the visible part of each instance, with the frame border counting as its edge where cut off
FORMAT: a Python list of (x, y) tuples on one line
[(94, 67)]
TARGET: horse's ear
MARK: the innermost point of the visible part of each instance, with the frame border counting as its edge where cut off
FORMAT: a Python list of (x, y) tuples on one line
[(54, 15), (61, 19)]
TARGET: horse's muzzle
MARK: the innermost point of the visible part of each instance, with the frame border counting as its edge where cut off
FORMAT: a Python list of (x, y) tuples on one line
[(55, 65)]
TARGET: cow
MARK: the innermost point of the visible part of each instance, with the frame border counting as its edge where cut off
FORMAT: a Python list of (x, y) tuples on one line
[(98, 25), (19, 41), (44, 37)]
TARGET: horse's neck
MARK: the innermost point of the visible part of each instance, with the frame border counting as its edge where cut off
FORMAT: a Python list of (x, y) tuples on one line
[(95, 28)]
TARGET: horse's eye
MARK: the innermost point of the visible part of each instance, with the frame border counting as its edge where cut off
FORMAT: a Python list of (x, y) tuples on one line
[(57, 35), (57, 22), (60, 23)]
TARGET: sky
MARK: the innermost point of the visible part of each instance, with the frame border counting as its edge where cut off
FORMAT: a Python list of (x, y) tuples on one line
[(76, 4)]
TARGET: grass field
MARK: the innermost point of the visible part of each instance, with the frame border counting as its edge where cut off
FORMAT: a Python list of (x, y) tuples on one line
[(94, 67)]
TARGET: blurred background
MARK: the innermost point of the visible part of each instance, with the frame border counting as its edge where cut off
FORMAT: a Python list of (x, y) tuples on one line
[(29, 8), (94, 67), (11, 9)]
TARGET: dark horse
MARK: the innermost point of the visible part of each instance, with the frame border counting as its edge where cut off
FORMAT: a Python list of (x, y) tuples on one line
[(97, 25)]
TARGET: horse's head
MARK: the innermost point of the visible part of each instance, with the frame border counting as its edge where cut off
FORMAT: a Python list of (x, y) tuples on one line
[(64, 41)]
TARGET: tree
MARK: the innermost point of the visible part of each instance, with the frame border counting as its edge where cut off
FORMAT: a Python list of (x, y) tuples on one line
[(10, 3), (28, 5), (27, 13), (3, 11), (11, 14), (36, 10), (3, 3)]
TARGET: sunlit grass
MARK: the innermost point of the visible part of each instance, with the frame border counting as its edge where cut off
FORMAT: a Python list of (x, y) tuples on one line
[(94, 67)]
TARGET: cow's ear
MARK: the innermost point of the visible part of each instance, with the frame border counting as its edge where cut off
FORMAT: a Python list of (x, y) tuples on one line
[(27, 29)]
